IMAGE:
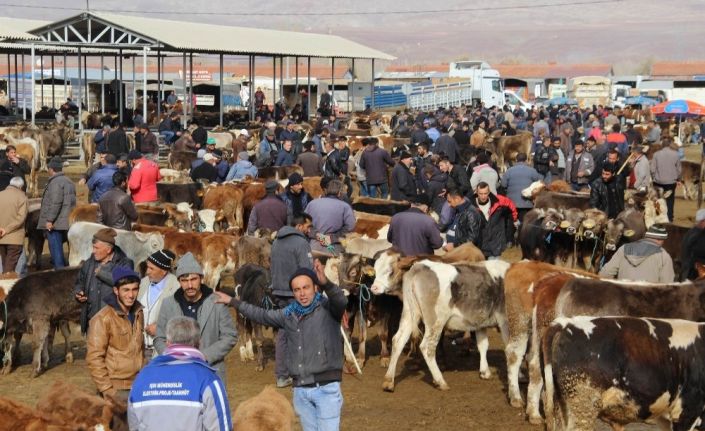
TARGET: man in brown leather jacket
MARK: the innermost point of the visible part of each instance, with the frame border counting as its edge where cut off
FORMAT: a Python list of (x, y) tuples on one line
[(115, 338)]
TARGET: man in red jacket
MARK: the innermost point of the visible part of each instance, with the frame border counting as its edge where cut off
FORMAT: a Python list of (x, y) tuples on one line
[(143, 178), (501, 220)]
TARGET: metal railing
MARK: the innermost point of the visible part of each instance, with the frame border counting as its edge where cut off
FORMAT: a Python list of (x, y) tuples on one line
[(427, 97)]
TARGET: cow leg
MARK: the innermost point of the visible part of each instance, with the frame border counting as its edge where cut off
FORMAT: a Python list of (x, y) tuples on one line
[(428, 349), (11, 353), (406, 325), (533, 395), (40, 335), (259, 340), (362, 338), (483, 345), (383, 338), (515, 351), (66, 332), (581, 406)]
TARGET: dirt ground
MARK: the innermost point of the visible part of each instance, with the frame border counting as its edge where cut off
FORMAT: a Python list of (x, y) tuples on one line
[(470, 404)]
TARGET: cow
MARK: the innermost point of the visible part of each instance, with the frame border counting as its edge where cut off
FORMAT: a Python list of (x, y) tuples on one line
[(38, 304), (278, 172), (71, 405), (624, 370), (589, 239), (28, 150), (136, 245), (460, 296), (379, 206), (519, 286), (557, 195), (268, 410), (35, 236), (506, 148), (250, 249), (18, 416), (690, 176), (354, 243), (371, 225), (674, 243), (533, 234), (254, 287), (227, 200), (181, 160), (186, 192), (628, 226)]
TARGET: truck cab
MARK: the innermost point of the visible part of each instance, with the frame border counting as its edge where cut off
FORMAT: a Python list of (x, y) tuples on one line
[(513, 100), (485, 82)]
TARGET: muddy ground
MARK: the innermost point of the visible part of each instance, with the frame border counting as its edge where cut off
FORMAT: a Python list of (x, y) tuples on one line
[(470, 404)]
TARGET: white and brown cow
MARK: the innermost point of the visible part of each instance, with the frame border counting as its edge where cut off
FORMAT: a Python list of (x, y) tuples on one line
[(624, 370), (460, 296)]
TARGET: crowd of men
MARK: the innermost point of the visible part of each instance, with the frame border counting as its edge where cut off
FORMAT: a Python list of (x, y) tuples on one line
[(135, 325)]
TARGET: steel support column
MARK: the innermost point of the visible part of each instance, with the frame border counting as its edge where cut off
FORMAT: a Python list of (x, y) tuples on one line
[(24, 92), (34, 104), (144, 85), (122, 97), (53, 84), (352, 88), (220, 95), (102, 84), (332, 85), (372, 98), (308, 89)]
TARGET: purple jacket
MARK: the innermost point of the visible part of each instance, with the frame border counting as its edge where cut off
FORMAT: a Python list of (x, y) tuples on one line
[(269, 213), (331, 216), (414, 233), (374, 161)]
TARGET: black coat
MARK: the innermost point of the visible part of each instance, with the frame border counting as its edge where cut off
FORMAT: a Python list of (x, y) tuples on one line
[(205, 171), (374, 161), (607, 197), (403, 183), (498, 231), (117, 142), (447, 145), (458, 179), (331, 165)]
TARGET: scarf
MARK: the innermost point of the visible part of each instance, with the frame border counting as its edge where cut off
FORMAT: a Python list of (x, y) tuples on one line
[(184, 352), (299, 310)]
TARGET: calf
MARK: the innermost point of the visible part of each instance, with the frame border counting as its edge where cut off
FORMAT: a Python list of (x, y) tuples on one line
[(35, 236), (628, 226), (674, 243), (624, 370), (136, 245), (379, 206), (461, 296), (268, 410), (556, 196), (371, 225), (227, 200), (181, 160), (187, 192), (68, 404), (253, 287), (38, 304), (590, 240), (506, 148), (364, 246)]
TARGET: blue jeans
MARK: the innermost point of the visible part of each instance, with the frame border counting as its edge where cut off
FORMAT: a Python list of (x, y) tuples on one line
[(56, 238), (319, 407), (363, 188), (383, 190), (168, 136)]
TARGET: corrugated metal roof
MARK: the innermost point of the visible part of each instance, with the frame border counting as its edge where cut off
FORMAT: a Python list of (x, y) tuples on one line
[(675, 69), (13, 28), (205, 37)]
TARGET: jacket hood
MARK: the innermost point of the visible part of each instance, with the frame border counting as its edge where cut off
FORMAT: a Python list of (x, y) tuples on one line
[(287, 231), (637, 252), (244, 163)]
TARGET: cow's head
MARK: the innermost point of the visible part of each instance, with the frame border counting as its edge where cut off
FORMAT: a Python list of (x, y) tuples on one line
[(572, 219), (593, 225), (614, 231), (178, 219), (552, 220), (204, 221), (387, 273), (354, 272), (533, 189)]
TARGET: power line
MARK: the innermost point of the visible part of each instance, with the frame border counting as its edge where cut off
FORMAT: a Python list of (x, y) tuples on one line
[(343, 13)]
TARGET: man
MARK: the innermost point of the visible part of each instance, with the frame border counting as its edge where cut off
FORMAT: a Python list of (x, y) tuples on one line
[(199, 134), (467, 223), (558, 168), (445, 144), (295, 197), (501, 219), (268, 149), (117, 143), (5, 174), (12, 223), (285, 157), (599, 156), (270, 213), (196, 300), (331, 160), (259, 98), (616, 139), (693, 247), (100, 139), (541, 125), (544, 156), (423, 158), (516, 179), (343, 166), (641, 171), (457, 177), (642, 260), (324, 104), (311, 324), (418, 134), (375, 161), (607, 193), (221, 165), (431, 131), (18, 166), (94, 282), (309, 161), (653, 134), (148, 144), (143, 178), (413, 232), (102, 180), (578, 167), (435, 187), (288, 133), (206, 170), (123, 165), (200, 404), (332, 218), (115, 342), (240, 143), (171, 99), (403, 181), (484, 172), (115, 208), (159, 284), (169, 128), (290, 251), (242, 168), (666, 172), (58, 200)]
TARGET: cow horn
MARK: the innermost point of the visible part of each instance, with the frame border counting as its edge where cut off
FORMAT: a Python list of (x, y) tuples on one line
[(589, 223), (368, 270), (629, 233), (565, 224)]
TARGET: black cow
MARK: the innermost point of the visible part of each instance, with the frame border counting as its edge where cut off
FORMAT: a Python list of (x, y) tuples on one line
[(186, 192), (38, 304), (379, 206), (253, 287), (624, 370)]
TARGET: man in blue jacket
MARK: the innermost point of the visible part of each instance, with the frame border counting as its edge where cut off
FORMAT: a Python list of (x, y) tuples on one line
[(178, 389), (102, 180), (311, 325), (516, 179)]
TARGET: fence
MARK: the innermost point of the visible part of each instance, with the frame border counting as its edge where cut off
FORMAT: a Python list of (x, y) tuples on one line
[(428, 96), (387, 96)]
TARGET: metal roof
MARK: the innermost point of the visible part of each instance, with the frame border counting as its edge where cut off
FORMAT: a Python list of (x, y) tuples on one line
[(13, 28)]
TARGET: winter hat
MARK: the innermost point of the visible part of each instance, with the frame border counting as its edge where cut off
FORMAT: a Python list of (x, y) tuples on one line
[(271, 186), (295, 178), (657, 232), (700, 215), (242, 155), (122, 272), (308, 273), (134, 155), (163, 258), (188, 265), (56, 164), (218, 154), (106, 235)]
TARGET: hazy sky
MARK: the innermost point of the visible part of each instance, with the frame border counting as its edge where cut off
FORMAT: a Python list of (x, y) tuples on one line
[(623, 32)]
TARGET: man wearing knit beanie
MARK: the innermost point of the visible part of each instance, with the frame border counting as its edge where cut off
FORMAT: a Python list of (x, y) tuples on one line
[(311, 324), (196, 300), (159, 284), (115, 342), (295, 197), (642, 260)]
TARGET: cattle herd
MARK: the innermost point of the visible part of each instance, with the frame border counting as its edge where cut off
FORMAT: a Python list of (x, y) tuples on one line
[(552, 310)]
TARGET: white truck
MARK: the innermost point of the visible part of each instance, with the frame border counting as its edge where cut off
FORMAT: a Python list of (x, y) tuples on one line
[(513, 100), (484, 81), (590, 90)]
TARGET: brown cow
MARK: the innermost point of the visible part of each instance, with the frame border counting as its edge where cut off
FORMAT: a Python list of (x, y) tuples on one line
[(372, 225), (227, 200), (180, 160), (68, 404), (506, 148), (268, 410)]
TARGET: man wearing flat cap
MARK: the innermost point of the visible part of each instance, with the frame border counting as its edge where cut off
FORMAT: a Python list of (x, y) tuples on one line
[(114, 346), (270, 213), (159, 283), (95, 282), (413, 232), (311, 325), (403, 181), (642, 260), (58, 200)]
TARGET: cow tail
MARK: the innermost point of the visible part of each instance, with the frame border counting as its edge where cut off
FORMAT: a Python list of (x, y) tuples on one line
[(411, 305), (549, 394)]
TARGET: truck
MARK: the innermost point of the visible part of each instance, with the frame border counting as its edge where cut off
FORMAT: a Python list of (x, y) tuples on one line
[(513, 100), (590, 90), (484, 82)]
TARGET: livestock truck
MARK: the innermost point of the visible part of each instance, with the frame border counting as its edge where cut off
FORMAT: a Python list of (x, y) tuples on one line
[(590, 90)]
